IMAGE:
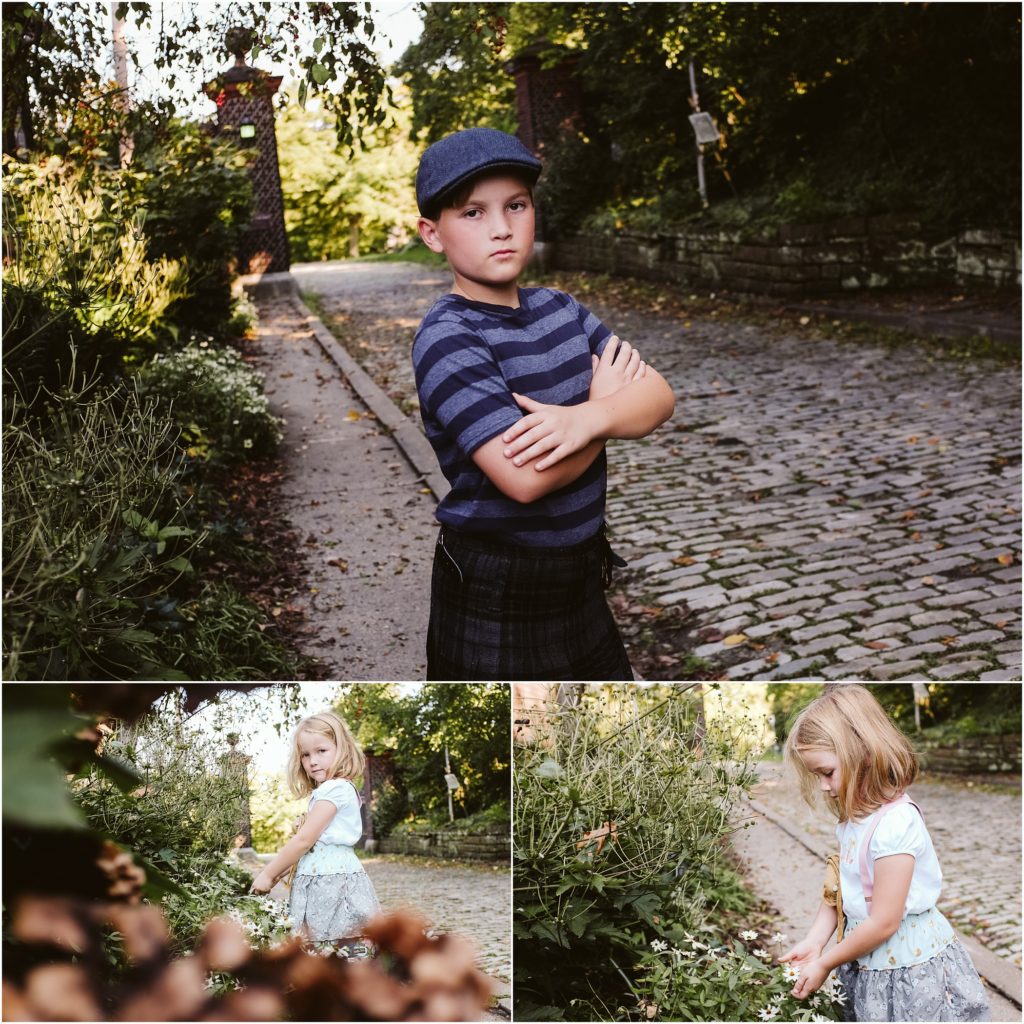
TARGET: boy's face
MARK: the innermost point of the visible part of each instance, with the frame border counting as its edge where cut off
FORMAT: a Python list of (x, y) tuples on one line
[(488, 238)]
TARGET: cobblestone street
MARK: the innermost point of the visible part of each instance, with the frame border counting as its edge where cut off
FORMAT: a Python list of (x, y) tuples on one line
[(474, 900), (834, 509), (977, 836)]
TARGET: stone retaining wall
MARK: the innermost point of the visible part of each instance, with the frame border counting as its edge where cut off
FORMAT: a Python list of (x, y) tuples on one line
[(847, 255), (490, 844), (975, 756)]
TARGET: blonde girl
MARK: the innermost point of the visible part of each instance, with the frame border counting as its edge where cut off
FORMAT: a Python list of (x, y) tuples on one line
[(331, 896), (900, 959)]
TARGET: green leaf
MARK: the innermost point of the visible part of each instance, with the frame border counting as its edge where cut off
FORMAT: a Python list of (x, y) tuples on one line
[(137, 521), (318, 44), (35, 790), (174, 531), (319, 73), (122, 775), (180, 564)]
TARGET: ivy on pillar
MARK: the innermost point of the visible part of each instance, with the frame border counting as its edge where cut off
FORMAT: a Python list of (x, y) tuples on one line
[(244, 97)]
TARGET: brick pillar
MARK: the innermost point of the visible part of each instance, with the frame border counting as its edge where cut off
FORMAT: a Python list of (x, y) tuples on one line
[(379, 767), (244, 97), (548, 106)]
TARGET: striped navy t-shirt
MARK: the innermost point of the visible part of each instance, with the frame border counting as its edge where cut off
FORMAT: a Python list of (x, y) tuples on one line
[(469, 357)]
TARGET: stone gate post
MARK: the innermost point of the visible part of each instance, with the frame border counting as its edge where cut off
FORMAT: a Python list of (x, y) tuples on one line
[(245, 111)]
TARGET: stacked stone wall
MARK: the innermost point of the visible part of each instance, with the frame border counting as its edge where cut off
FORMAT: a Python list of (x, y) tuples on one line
[(491, 844), (849, 255), (978, 755)]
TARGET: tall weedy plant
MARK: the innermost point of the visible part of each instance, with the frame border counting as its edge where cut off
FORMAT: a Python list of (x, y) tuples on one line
[(621, 805)]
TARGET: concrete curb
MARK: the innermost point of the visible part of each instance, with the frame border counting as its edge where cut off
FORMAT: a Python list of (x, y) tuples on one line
[(1000, 975), (409, 438)]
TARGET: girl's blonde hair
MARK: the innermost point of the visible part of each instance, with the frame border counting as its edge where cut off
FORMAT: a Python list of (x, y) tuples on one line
[(348, 764), (876, 761)]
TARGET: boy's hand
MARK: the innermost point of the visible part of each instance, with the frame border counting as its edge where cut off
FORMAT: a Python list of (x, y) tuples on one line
[(552, 431), (620, 364)]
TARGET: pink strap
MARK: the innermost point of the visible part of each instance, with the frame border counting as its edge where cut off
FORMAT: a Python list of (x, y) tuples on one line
[(866, 877)]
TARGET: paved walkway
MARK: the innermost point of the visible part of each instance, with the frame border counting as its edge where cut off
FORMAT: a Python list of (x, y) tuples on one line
[(852, 510), (779, 866), (365, 514)]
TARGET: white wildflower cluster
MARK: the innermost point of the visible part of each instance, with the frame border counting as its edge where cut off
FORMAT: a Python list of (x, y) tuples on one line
[(265, 920), (213, 390), (712, 971)]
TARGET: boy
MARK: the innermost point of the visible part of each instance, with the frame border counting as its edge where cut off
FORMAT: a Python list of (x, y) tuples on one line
[(521, 561)]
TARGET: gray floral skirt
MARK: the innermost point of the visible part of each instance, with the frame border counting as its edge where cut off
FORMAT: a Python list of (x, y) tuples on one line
[(329, 907), (945, 988)]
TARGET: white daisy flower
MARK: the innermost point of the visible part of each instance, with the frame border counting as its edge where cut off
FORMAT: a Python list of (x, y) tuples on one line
[(768, 1013), (790, 972), (748, 936), (659, 946)]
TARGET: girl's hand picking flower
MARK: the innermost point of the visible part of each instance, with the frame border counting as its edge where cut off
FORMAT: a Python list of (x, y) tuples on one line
[(262, 883), (802, 953), (812, 977)]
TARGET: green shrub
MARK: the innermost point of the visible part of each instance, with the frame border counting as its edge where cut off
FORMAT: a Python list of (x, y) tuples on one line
[(638, 766), (691, 979), (390, 808), (226, 638), (216, 400), (197, 197), (273, 811), (78, 282), (94, 540)]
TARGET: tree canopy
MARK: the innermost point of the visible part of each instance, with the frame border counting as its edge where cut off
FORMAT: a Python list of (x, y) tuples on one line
[(834, 107), (52, 53), (416, 725)]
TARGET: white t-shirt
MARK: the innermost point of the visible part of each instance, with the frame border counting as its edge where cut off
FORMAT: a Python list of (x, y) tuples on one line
[(346, 827), (901, 830)]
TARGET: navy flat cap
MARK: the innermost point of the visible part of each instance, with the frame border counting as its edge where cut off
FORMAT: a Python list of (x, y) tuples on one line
[(455, 159)]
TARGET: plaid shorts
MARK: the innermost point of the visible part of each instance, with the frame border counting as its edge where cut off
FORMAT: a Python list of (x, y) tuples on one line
[(502, 611)]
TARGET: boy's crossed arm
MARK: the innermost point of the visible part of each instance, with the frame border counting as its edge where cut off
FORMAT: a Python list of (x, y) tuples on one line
[(628, 399)]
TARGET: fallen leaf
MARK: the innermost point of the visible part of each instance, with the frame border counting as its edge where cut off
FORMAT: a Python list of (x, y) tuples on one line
[(928, 580), (353, 416), (276, 612), (934, 440), (339, 562), (683, 560), (877, 645), (770, 659), (912, 439), (804, 321), (734, 639), (950, 641), (1002, 624), (1005, 559), (915, 535), (909, 514)]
